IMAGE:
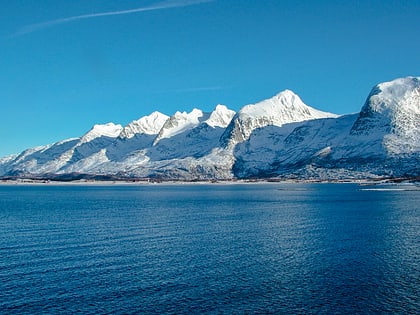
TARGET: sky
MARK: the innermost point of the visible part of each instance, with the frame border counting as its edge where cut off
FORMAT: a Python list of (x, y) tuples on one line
[(67, 65)]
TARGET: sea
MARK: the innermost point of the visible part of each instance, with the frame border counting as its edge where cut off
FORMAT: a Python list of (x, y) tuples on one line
[(255, 248)]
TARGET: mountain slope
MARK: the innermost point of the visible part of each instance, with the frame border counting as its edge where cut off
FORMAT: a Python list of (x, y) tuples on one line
[(392, 112), (52, 158), (194, 137)]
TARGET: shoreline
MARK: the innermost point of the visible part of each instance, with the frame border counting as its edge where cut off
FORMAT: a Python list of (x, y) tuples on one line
[(361, 182)]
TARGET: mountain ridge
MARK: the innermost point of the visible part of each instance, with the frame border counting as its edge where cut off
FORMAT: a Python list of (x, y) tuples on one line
[(280, 137)]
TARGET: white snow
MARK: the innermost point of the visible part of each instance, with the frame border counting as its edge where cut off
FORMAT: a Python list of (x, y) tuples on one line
[(285, 107), (8, 158), (220, 117), (106, 130), (388, 95), (86, 164), (391, 115), (179, 123), (149, 125)]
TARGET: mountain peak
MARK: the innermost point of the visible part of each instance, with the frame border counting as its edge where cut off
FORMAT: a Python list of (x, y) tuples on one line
[(392, 106), (110, 130), (149, 125), (285, 107), (179, 122), (220, 117), (286, 94)]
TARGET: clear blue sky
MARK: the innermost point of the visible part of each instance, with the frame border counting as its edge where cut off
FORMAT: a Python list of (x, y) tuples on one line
[(60, 77)]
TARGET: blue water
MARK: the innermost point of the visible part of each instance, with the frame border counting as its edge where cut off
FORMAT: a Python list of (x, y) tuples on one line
[(215, 249)]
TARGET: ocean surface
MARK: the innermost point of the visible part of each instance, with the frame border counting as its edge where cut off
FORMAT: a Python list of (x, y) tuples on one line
[(209, 249)]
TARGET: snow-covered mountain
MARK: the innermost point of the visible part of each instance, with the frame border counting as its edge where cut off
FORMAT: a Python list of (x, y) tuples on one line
[(52, 158), (280, 137), (286, 107), (383, 139)]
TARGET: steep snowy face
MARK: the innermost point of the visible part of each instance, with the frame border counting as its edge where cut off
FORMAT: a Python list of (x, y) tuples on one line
[(220, 117), (107, 130), (179, 123), (195, 139), (285, 107), (392, 112), (28, 153), (149, 125), (391, 106)]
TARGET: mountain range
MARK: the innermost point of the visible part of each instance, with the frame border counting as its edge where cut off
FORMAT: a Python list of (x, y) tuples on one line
[(278, 138)]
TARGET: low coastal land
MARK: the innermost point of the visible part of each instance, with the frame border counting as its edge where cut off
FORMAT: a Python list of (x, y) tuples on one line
[(110, 180)]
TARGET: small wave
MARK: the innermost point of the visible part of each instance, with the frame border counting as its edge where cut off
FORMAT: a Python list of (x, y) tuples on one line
[(384, 189)]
